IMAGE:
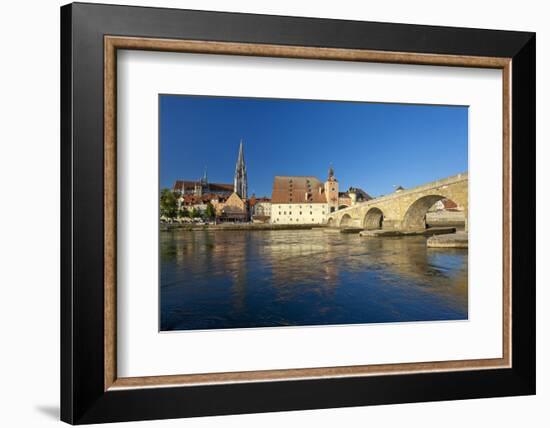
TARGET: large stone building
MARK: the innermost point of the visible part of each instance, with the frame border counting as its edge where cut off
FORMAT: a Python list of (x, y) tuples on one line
[(202, 187), (298, 200), (303, 199)]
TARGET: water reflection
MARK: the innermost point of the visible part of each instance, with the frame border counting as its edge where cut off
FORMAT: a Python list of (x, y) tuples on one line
[(237, 279)]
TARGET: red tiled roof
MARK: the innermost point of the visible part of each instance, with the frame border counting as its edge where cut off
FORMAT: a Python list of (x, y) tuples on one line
[(189, 185), (297, 189), (448, 204), (220, 187), (253, 200)]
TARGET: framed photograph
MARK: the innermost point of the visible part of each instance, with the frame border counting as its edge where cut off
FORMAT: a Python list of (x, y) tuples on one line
[(266, 213)]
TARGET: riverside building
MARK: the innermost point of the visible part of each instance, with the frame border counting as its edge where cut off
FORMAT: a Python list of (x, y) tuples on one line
[(307, 200), (303, 199)]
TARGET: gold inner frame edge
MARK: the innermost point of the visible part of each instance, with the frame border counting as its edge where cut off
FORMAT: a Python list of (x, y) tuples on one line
[(113, 43)]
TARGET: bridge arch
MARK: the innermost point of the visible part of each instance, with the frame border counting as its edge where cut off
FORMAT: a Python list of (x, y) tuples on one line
[(374, 219), (415, 216), (341, 207), (346, 220), (330, 222)]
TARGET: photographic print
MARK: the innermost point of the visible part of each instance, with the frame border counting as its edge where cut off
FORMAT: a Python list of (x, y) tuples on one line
[(291, 212)]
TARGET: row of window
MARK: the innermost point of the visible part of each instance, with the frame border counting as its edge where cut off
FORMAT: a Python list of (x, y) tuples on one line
[(277, 220), (290, 213), (300, 207)]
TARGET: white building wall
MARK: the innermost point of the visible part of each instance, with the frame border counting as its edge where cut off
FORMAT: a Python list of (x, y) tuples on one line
[(297, 213), (263, 208)]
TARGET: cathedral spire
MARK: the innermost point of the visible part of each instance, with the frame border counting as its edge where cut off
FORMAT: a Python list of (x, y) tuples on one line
[(240, 182)]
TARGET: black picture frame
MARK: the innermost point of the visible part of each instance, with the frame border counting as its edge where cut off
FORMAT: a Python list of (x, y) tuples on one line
[(83, 398)]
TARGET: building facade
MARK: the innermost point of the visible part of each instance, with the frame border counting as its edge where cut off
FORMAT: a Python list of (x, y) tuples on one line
[(234, 209), (351, 197), (314, 213), (298, 200), (260, 209)]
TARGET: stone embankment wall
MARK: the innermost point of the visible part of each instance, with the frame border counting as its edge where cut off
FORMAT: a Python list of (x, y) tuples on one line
[(445, 218)]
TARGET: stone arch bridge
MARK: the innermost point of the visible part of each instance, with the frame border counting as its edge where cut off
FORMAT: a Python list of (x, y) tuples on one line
[(404, 210)]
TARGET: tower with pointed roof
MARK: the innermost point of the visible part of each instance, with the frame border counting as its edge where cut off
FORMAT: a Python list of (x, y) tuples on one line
[(240, 181), (331, 190)]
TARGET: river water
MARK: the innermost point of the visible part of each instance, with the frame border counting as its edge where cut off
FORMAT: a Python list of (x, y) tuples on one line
[(239, 279)]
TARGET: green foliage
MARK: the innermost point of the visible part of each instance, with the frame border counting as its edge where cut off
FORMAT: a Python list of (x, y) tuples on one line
[(168, 203), (195, 213), (210, 212), (184, 212)]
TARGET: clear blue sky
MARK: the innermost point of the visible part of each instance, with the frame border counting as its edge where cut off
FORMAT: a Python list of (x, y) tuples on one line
[(372, 146)]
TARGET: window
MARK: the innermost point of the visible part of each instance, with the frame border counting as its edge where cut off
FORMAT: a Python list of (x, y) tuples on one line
[(311, 213), (300, 212)]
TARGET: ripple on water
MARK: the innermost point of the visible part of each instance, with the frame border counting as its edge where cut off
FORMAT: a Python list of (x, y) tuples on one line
[(239, 279)]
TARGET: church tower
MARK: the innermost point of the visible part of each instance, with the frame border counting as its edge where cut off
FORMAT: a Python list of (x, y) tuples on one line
[(240, 182), (331, 191), (204, 183)]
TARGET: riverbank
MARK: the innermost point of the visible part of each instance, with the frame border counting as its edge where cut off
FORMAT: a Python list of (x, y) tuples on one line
[(453, 240), (238, 226), (425, 232)]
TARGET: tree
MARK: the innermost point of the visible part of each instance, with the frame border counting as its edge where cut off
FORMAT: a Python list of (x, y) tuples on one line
[(184, 212), (210, 212), (168, 204)]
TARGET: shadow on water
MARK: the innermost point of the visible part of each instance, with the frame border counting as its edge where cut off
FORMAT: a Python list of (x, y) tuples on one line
[(238, 279)]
